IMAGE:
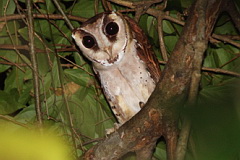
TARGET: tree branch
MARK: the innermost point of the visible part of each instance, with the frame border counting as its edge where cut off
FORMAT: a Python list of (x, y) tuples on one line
[(200, 45), (160, 37), (225, 39), (10, 119), (42, 16), (63, 14), (34, 64)]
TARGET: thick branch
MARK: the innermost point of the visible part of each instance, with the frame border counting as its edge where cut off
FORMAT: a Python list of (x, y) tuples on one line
[(200, 46)]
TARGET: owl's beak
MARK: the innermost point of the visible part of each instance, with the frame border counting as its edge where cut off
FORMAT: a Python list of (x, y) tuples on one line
[(108, 50)]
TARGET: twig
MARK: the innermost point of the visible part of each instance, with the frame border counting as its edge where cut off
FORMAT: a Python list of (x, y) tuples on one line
[(52, 22), (96, 4), (92, 141), (226, 39), (214, 70), (142, 7), (68, 48), (15, 64), (231, 60), (34, 64), (61, 76), (74, 64), (10, 36), (221, 71), (20, 10), (232, 37), (63, 14), (13, 121), (161, 40), (42, 16)]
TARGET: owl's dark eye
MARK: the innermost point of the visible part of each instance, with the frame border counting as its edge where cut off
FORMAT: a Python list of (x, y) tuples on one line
[(88, 41), (112, 28)]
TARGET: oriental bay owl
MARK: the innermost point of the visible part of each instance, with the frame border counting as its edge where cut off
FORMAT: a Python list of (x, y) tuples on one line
[(123, 60)]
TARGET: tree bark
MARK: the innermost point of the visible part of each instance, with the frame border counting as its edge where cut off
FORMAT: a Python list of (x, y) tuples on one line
[(159, 117)]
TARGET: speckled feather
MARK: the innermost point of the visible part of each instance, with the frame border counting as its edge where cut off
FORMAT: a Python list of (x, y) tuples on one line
[(145, 51)]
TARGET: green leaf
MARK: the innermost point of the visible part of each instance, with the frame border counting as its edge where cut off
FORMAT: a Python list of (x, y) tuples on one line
[(42, 27), (84, 9), (43, 63), (9, 56), (12, 26), (14, 80), (8, 103), (225, 26), (37, 42), (51, 7), (142, 23), (86, 116), (10, 7), (25, 95), (78, 76), (78, 58), (27, 115), (160, 151)]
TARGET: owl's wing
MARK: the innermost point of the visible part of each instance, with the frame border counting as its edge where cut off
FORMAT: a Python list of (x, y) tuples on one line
[(144, 49)]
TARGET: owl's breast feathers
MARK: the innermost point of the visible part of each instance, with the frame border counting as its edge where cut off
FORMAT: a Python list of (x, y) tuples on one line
[(128, 84)]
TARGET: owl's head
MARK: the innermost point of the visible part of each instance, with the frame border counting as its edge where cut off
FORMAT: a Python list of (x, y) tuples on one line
[(103, 38)]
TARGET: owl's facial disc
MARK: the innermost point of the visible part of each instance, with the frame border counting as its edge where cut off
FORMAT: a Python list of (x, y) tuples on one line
[(103, 38)]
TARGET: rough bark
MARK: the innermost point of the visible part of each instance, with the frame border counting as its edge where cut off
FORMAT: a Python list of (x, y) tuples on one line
[(159, 117)]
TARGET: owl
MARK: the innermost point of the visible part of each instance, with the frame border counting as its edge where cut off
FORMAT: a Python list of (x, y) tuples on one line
[(123, 60)]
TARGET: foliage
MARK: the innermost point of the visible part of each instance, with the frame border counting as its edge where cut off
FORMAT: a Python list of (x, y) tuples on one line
[(218, 102)]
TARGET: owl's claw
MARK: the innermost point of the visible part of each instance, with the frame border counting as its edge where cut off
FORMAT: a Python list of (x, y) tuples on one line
[(111, 130)]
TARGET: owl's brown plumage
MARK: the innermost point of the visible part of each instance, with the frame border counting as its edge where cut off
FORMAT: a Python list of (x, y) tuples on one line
[(123, 60)]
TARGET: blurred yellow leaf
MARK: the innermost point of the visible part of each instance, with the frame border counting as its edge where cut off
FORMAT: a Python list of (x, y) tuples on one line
[(29, 145)]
